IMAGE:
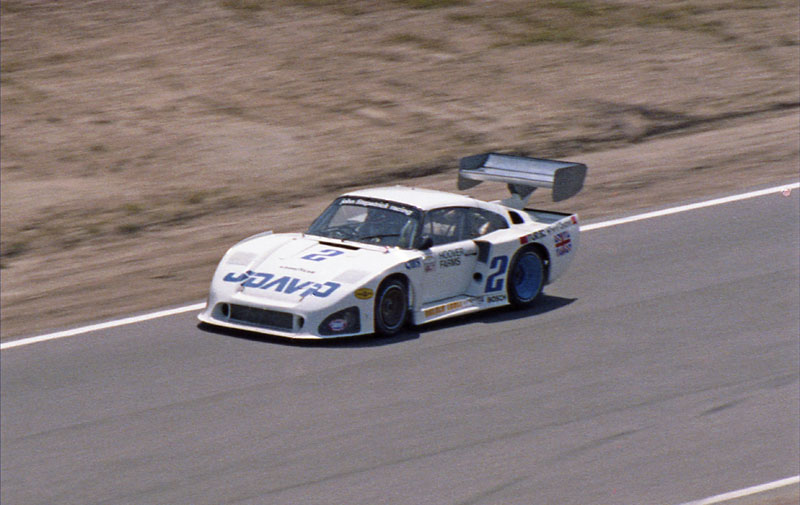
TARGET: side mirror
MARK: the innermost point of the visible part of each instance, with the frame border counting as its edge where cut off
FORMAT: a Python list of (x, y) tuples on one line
[(425, 242)]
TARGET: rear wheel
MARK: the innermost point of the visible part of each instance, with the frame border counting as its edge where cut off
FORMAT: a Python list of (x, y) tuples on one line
[(526, 278), (391, 307)]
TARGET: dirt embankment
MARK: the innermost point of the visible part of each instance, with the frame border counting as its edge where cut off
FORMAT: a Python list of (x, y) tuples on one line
[(140, 140)]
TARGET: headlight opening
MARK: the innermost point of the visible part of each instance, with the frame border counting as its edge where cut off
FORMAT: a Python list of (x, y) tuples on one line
[(344, 321)]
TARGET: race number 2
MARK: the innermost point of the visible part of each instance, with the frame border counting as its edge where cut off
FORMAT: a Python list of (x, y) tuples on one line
[(322, 255), (495, 281)]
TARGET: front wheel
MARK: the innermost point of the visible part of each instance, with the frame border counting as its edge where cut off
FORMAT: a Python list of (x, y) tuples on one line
[(391, 307), (526, 278)]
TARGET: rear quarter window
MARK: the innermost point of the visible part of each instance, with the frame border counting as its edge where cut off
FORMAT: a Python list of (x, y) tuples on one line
[(482, 222)]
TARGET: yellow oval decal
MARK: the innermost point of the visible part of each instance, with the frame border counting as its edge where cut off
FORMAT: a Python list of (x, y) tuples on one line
[(364, 293)]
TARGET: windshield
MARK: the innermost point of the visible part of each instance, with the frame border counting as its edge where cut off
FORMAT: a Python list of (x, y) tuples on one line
[(370, 221)]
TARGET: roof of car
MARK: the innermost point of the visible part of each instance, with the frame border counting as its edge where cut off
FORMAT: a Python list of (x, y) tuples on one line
[(421, 198)]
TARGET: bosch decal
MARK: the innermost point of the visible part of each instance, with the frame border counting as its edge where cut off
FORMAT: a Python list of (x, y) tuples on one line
[(284, 284)]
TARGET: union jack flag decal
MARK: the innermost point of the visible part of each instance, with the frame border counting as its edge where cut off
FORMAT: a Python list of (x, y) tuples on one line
[(563, 243)]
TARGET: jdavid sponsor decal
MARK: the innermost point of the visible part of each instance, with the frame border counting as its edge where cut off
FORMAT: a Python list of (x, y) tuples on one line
[(284, 284)]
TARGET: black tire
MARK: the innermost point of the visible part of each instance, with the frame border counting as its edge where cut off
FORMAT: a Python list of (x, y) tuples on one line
[(391, 307), (525, 278)]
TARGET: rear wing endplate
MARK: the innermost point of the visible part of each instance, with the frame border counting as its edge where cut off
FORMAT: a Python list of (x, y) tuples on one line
[(523, 175)]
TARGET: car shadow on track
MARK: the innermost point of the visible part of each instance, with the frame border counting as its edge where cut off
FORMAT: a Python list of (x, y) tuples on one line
[(543, 305)]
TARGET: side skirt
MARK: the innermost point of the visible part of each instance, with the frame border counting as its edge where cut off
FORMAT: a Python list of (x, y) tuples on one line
[(456, 306)]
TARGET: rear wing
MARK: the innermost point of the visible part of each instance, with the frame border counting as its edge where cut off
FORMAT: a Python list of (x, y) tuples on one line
[(523, 175)]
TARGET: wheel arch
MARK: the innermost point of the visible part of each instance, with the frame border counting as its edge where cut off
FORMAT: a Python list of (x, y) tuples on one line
[(405, 280)]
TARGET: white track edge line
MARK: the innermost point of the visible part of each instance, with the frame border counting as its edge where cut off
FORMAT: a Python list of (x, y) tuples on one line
[(691, 206), (588, 227), (102, 326), (746, 491)]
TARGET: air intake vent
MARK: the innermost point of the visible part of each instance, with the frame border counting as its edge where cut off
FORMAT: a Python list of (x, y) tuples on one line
[(261, 317)]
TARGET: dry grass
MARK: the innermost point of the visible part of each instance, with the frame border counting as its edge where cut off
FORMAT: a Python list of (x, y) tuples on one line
[(128, 125)]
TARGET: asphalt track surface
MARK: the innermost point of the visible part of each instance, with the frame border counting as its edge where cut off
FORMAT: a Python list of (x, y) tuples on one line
[(663, 368)]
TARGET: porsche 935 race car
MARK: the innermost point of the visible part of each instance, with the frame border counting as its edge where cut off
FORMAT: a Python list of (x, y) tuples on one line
[(377, 259)]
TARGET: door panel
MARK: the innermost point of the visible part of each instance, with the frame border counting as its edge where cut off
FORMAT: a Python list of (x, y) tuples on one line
[(450, 262), (449, 269)]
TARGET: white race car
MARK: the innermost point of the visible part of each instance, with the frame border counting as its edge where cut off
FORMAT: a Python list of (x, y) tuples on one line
[(377, 259)]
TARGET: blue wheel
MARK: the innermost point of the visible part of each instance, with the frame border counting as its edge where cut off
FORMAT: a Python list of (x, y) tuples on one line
[(526, 278)]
